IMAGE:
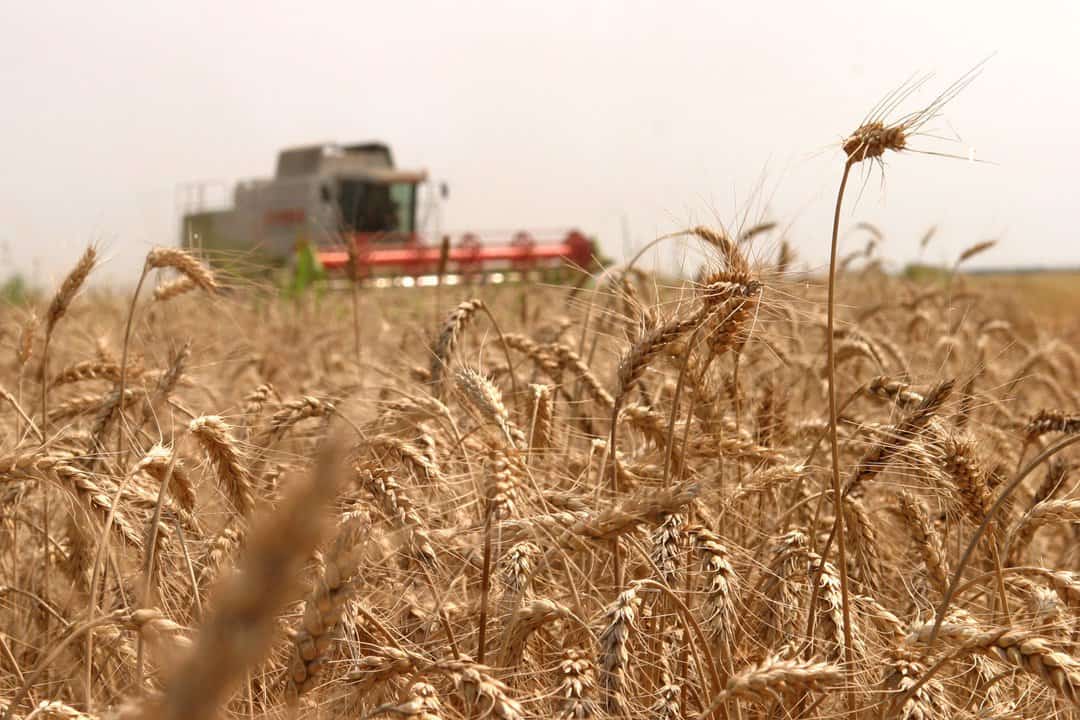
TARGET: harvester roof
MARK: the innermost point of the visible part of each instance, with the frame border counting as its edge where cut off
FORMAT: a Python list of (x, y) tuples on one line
[(371, 161)]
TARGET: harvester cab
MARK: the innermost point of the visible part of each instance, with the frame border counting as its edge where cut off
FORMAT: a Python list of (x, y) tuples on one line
[(363, 191), (358, 213)]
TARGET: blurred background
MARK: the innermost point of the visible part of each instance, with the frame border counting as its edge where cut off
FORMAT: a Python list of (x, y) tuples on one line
[(625, 120)]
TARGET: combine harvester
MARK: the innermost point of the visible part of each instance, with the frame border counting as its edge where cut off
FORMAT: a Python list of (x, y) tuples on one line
[(358, 213)]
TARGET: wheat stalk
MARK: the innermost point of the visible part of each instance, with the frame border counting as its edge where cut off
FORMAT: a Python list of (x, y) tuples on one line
[(238, 631)]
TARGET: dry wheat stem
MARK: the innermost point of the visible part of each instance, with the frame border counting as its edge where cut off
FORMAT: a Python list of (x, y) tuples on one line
[(830, 359)]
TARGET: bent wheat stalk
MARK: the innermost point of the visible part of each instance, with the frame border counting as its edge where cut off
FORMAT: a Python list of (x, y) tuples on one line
[(869, 142), (981, 530)]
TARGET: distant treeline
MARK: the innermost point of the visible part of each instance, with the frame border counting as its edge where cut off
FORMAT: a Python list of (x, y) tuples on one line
[(1021, 270), (926, 271)]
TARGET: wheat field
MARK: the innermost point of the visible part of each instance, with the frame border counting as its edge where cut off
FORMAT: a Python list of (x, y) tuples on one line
[(610, 499)]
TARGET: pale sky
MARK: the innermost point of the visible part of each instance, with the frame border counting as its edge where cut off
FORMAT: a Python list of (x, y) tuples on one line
[(626, 120)]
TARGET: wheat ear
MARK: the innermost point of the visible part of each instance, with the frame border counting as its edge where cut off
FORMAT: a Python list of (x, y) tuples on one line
[(1019, 648), (576, 676), (927, 540), (774, 676), (213, 434)]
